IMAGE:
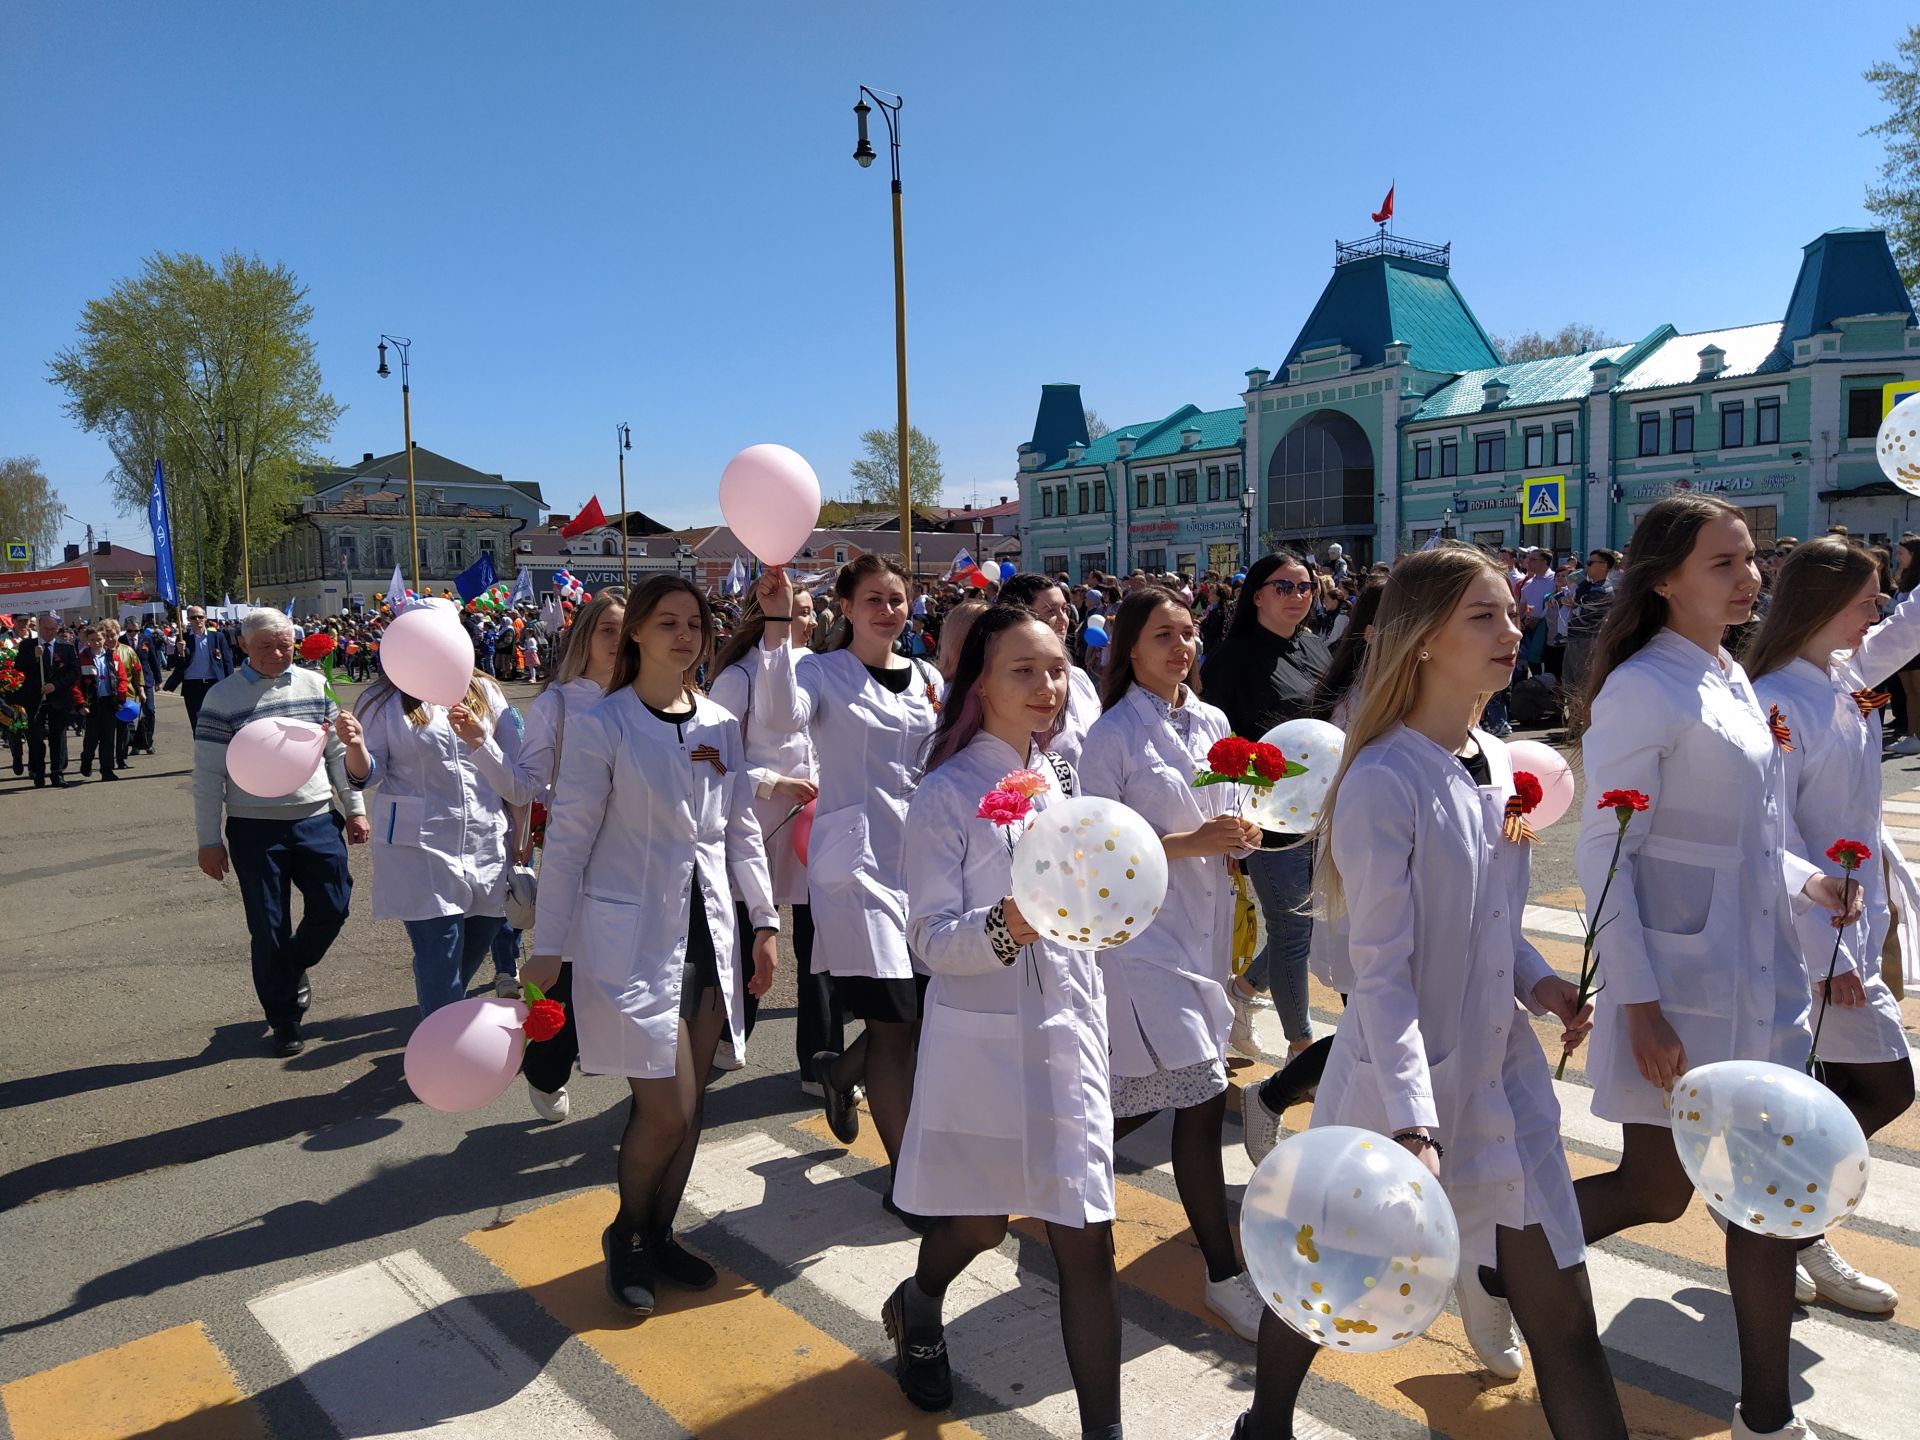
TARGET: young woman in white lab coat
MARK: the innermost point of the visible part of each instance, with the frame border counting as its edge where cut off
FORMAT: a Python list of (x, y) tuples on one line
[(444, 778), (1699, 958), (1044, 596), (780, 764), (1434, 1048), (1815, 658), (871, 712), (652, 827), (1167, 1010), (1010, 1113)]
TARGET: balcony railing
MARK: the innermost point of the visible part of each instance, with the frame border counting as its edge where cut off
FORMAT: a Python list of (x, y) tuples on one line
[(1385, 244)]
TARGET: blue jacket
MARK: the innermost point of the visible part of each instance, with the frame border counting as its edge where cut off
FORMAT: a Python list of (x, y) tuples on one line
[(221, 658)]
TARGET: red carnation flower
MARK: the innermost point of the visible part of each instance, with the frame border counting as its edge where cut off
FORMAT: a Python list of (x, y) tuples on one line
[(1527, 790), (545, 1019), (1623, 800), (1849, 854), (317, 646), (1268, 760), (1230, 757), (1004, 807)]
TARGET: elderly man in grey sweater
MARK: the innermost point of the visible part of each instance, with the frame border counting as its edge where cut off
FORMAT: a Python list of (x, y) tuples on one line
[(275, 845)]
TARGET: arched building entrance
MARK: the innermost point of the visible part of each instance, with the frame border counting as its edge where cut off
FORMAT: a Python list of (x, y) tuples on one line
[(1320, 488)]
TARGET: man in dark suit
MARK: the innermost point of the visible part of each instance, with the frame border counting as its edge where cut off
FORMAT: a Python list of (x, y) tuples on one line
[(51, 669), (202, 659)]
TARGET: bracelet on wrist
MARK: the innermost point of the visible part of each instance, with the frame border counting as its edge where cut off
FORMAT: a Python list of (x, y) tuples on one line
[(1421, 1138), (780, 619)]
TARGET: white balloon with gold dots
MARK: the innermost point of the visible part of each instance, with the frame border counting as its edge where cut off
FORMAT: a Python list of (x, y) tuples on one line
[(1897, 447), (1293, 805), (1089, 873)]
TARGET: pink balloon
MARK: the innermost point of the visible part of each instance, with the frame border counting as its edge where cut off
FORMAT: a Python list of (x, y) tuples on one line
[(803, 831), (464, 1056), (1550, 768), (271, 757), (426, 653), (771, 500)]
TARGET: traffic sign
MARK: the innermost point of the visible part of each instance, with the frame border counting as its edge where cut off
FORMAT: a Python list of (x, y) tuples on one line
[(1894, 392), (19, 552), (1546, 500)]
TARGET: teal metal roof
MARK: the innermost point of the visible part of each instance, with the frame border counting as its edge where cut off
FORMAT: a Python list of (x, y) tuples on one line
[(1370, 303), (1750, 350), (1156, 438), (1845, 272), (1529, 382), (1061, 420)]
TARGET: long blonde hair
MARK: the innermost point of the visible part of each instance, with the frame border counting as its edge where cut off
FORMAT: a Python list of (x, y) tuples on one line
[(1420, 595), (576, 650)]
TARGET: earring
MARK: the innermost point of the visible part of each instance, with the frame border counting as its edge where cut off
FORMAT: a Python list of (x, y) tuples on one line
[(1425, 656)]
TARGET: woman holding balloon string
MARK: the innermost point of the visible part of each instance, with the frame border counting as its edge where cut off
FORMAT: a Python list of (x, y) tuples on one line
[(870, 712), (1167, 1010), (1815, 657), (652, 827), (1433, 1049), (1011, 1113), (1699, 960)]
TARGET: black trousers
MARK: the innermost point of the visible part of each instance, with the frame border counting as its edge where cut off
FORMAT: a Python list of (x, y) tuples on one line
[(548, 1064), (46, 742), (103, 735), (821, 1020), (143, 727), (193, 692)]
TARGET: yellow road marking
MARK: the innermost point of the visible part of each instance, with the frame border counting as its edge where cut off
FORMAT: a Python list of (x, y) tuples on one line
[(170, 1386)]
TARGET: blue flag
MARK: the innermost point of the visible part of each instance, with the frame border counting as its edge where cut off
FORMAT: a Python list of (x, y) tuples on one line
[(162, 537), (476, 579)]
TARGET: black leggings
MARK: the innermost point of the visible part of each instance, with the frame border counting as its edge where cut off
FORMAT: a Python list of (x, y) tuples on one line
[(664, 1119), (548, 1064), (1200, 1177)]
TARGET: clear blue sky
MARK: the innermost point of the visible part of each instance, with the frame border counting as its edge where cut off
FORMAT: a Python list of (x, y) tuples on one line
[(588, 213)]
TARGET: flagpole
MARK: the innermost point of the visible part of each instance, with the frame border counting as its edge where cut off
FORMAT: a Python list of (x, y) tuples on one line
[(623, 442), (405, 347)]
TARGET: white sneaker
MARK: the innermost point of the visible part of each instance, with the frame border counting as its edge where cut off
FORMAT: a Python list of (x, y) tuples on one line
[(506, 987), (553, 1108), (1242, 1039), (727, 1058), (1905, 745), (1259, 1126), (1794, 1429), (1840, 1283), (1489, 1325), (1804, 1290), (1238, 1303)]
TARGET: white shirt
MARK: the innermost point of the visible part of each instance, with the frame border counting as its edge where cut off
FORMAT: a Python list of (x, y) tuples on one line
[(773, 753)]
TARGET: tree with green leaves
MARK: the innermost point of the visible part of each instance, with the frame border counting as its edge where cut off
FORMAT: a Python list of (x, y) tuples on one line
[(876, 474), (210, 368), (1573, 338), (29, 508), (1896, 200)]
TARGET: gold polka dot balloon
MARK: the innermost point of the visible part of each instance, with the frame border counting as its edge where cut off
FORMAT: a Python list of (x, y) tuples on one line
[(1769, 1148), (1089, 873), (1293, 805), (1897, 447), (1349, 1239)]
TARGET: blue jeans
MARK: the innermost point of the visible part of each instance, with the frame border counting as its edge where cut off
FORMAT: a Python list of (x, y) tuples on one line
[(447, 950), (1282, 881), (506, 951), (270, 858)]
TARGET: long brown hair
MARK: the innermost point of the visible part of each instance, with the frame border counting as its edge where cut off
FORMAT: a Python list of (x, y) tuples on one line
[(962, 715), (1129, 623), (646, 599), (1819, 580), (1661, 543), (577, 646), (848, 581)]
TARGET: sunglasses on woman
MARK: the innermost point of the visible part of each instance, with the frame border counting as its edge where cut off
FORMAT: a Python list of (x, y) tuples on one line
[(1293, 587)]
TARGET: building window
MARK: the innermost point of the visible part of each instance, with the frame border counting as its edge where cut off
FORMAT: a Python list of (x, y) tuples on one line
[(1140, 493), (1489, 453), (1536, 440), (1091, 561), (1099, 497), (1154, 562), (1423, 462), (424, 567), (1449, 458), (383, 552), (1766, 423), (1046, 502), (456, 554), (1052, 564), (1733, 425), (1649, 435), (1682, 431), (1085, 497), (1763, 524), (486, 545), (1563, 444), (1863, 414), (1160, 488), (349, 553), (1214, 491), (1233, 482), (839, 554), (1060, 499), (1186, 487)]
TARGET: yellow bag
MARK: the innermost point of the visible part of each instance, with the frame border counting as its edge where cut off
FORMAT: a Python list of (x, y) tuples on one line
[(1247, 926)]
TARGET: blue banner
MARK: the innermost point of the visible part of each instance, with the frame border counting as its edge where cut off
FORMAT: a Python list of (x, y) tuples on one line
[(476, 579), (162, 538)]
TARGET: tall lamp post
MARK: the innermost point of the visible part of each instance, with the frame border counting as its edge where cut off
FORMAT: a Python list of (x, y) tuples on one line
[(623, 442), (863, 153), (1246, 505), (405, 347), (978, 525)]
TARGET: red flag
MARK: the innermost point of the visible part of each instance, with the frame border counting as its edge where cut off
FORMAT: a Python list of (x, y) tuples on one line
[(1385, 212), (588, 518)]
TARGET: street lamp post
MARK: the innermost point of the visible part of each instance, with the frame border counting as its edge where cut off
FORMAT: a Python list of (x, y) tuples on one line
[(405, 347), (623, 442), (864, 154), (1246, 506)]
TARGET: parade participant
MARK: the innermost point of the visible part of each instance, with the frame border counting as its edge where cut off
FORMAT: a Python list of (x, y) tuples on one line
[(781, 769), (49, 670), (136, 683), (1433, 1049), (1046, 598), (201, 660), (1263, 674), (1011, 1112), (953, 636), (1815, 659), (652, 813), (276, 846), (105, 683), (871, 712), (1167, 1010), (1699, 954), (445, 777)]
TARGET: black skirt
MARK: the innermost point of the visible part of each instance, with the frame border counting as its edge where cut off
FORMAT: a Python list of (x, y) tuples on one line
[(867, 998)]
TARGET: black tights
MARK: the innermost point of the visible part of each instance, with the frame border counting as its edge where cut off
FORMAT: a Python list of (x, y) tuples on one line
[(882, 1059), (1877, 1094), (663, 1126), (1200, 1178), (1554, 1310), (1649, 1187), (1089, 1297)]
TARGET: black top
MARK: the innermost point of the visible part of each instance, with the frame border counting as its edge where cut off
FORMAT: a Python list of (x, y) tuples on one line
[(895, 680), (1262, 679), (1476, 766)]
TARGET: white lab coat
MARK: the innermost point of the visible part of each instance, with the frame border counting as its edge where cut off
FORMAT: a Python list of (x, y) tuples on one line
[(438, 816), (1700, 916), (869, 745), (1011, 1107), (1432, 1034), (552, 710), (636, 823), (1083, 708), (1167, 986), (774, 752), (1833, 779)]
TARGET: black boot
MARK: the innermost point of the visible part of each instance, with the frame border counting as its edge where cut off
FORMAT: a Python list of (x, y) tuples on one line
[(629, 1269)]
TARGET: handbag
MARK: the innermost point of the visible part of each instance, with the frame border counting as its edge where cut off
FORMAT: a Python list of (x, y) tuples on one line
[(523, 881)]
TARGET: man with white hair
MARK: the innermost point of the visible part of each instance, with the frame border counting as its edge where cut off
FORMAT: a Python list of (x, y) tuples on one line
[(277, 843)]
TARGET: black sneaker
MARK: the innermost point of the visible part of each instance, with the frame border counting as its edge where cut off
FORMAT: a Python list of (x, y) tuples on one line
[(843, 1116), (920, 1356), (287, 1042), (629, 1270), (678, 1265), (916, 1223)]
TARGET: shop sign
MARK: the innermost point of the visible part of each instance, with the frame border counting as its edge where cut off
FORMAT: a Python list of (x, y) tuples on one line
[(1186, 528), (1772, 484)]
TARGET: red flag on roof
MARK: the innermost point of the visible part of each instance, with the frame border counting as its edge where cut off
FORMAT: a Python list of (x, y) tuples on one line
[(1385, 212), (588, 518)]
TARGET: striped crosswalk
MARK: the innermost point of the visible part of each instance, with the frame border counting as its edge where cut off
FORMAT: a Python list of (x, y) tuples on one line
[(788, 1344)]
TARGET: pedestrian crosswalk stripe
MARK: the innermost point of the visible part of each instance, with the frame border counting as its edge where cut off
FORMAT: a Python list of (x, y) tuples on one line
[(174, 1382), (391, 1348)]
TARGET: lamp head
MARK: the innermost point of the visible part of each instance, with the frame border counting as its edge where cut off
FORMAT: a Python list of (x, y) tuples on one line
[(383, 372), (863, 152)]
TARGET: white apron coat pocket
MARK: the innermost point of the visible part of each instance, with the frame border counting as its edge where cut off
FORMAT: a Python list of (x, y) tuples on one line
[(400, 819), (970, 1075), (1684, 908), (840, 850), (626, 1005)]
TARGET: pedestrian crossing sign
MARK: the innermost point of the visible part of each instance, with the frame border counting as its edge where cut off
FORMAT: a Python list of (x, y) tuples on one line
[(19, 553), (1546, 500), (1894, 392)]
